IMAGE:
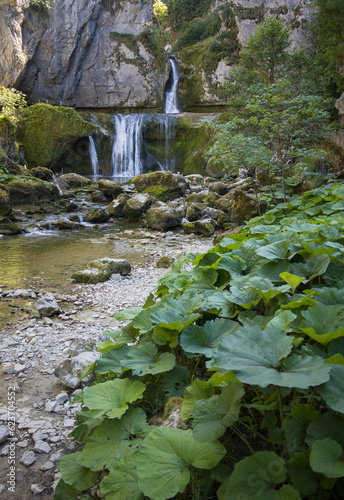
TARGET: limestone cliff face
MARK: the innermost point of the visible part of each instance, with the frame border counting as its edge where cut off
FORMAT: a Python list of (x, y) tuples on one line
[(92, 54)]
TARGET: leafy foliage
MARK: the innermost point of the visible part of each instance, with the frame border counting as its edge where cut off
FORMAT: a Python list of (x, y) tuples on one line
[(12, 102), (262, 406)]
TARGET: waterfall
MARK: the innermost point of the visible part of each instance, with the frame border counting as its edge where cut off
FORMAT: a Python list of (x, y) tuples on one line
[(126, 152), (171, 105), (94, 157)]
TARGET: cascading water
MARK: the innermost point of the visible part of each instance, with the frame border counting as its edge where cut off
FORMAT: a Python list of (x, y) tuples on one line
[(94, 156), (171, 104), (126, 152)]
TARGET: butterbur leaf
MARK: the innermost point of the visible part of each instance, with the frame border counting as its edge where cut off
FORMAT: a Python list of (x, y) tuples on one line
[(205, 339), (111, 398), (122, 482), (113, 439), (274, 251), (127, 313), (65, 491), (326, 458), (256, 357), (144, 358), (282, 320), (75, 474), (301, 474), (165, 457), (323, 323), (327, 424), (256, 477), (111, 360), (199, 389), (221, 301), (292, 280), (333, 390), (212, 416)]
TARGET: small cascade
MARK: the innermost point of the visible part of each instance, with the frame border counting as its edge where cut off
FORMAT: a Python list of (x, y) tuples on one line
[(94, 156), (171, 101), (166, 131), (127, 148), (56, 181)]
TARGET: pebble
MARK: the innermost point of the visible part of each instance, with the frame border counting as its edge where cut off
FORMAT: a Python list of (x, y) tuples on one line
[(42, 447), (28, 458), (47, 466), (4, 433), (37, 489)]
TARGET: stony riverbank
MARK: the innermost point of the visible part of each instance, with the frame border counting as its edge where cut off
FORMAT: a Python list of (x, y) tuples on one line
[(30, 352)]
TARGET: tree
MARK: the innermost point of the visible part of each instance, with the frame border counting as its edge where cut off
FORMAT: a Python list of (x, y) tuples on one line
[(11, 102), (160, 11), (266, 49)]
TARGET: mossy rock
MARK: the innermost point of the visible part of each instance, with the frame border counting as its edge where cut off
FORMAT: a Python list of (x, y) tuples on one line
[(5, 203), (97, 216), (28, 190), (137, 205), (109, 188), (75, 180), (196, 198), (98, 197), (194, 211), (100, 270), (205, 226), (240, 206), (165, 262), (8, 227), (161, 185), (47, 132), (43, 173), (115, 208), (164, 217), (218, 187), (211, 199)]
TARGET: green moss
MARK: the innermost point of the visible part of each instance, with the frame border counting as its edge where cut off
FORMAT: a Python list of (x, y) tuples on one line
[(46, 132)]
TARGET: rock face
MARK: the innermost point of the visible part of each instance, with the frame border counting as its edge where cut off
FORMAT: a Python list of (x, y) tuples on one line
[(96, 53)]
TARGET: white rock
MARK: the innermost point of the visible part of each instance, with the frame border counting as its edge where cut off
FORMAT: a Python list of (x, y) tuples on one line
[(4, 433), (47, 466), (37, 489), (42, 447), (28, 458)]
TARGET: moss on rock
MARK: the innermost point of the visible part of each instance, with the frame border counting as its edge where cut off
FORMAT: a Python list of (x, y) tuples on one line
[(46, 132), (205, 226), (5, 203), (161, 185), (30, 189)]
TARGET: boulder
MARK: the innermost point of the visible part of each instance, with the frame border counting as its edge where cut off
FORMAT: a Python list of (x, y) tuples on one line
[(97, 215), (7, 227), (240, 206), (194, 211), (137, 205), (211, 199), (69, 371), (219, 187), (65, 224), (75, 180), (165, 262), (196, 197), (195, 179), (211, 213), (101, 270), (205, 226), (110, 189), (43, 173), (27, 190), (98, 197), (115, 208), (47, 305), (5, 203), (164, 217), (161, 185)]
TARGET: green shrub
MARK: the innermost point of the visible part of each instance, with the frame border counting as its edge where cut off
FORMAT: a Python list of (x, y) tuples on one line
[(199, 30)]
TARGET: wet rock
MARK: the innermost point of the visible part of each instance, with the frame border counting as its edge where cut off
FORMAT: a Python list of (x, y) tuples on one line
[(115, 208), (98, 197), (28, 458), (47, 305), (205, 226), (161, 185), (75, 218), (110, 189), (240, 206), (164, 217), (97, 215), (165, 262), (8, 227), (69, 371), (43, 173), (4, 433), (194, 211), (75, 180), (5, 203), (65, 224), (22, 191), (137, 205), (101, 270)]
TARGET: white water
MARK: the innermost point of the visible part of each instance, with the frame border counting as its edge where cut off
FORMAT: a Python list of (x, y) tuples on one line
[(126, 152), (94, 157), (171, 104)]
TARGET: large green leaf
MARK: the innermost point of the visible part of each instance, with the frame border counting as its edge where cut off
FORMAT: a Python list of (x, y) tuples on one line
[(64, 491), (221, 301), (256, 478), (199, 389), (75, 474), (333, 390), (212, 416), (327, 458), (205, 339), (144, 358), (327, 424), (111, 360), (165, 457), (323, 323), (113, 439), (274, 251), (235, 265), (301, 474), (111, 398), (282, 320), (256, 357), (122, 482), (127, 313)]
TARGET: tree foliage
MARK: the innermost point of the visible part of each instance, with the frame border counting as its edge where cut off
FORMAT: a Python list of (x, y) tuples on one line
[(12, 102), (160, 11)]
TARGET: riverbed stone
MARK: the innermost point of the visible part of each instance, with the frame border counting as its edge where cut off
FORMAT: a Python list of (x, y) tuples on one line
[(75, 180), (115, 208), (219, 187), (27, 190), (109, 188), (205, 226), (101, 270), (98, 197), (162, 185), (4, 433), (165, 262), (137, 205), (43, 173), (65, 224), (47, 305), (97, 216), (69, 371), (8, 227), (164, 217), (5, 203), (196, 197), (194, 211), (42, 447), (28, 458)]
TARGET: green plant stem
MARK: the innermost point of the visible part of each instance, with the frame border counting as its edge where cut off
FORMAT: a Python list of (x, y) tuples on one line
[(243, 439), (280, 404)]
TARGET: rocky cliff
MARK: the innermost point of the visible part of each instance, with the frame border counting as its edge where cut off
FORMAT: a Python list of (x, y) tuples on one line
[(96, 54)]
